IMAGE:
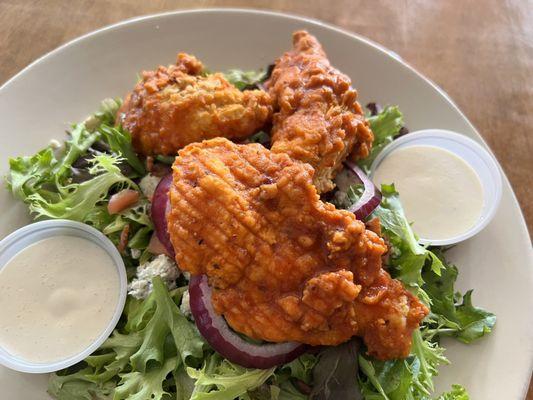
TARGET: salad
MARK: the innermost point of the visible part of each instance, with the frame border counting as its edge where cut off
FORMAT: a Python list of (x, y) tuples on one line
[(157, 351)]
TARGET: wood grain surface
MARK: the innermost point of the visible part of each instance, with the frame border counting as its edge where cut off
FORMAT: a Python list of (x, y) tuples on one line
[(479, 51)]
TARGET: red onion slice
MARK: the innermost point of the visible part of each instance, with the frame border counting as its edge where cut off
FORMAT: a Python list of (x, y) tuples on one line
[(160, 209), (371, 196), (229, 344)]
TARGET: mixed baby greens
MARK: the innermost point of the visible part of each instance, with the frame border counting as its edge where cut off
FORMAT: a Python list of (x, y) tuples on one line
[(156, 352), (427, 274), (75, 180)]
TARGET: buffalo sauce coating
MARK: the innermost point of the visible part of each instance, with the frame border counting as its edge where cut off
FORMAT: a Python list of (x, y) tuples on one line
[(175, 105), (284, 266), (317, 118)]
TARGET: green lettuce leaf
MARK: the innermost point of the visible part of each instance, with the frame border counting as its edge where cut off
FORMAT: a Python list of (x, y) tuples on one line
[(385, 380), (457, 393), (474, 322), (220, 379), (106, 114), (169, 160), (184, 384), (428, 356), (148, 385), (407, 257), (386, 126), (260, 137), (285, 391), (142, 355), (282, 385), (453, 314), (26, 174), (117, 351), (47, 184), (302, 368), (411, 378), (245, 79), (41, 172), (119, 141), (78, 144), (335, 374), (75, 201), (166, 320), (77, 387)]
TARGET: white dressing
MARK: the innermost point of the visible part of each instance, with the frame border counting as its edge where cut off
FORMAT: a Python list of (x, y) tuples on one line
[(56, 297), (441, 194)]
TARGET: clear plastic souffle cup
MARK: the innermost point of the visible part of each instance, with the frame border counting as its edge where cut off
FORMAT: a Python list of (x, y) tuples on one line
[(470, 151), (30, 234)]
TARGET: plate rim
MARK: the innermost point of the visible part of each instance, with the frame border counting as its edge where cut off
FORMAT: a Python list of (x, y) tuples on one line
[(313, 21)]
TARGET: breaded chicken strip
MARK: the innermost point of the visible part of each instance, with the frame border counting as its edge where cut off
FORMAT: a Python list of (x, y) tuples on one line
[(174, 106), (284, 266), (317, 117)]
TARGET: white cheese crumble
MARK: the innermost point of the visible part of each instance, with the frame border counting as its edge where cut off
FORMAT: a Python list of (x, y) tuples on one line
[(56, 144), (57, 147), (185, 306), (148, 185), (141, 286), (344, 180), (136, 253)]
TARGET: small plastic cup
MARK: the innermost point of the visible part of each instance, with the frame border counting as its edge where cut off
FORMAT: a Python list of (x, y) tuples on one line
[(30, 234), (481, 161)]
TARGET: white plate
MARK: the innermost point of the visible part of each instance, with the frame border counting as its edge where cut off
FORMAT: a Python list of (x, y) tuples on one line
[(68, 84)]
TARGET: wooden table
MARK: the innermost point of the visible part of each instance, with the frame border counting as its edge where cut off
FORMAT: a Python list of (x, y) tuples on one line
[(480, 52)]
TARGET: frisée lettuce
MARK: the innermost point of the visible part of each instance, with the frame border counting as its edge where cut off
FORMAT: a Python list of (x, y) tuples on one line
[(77, 180)]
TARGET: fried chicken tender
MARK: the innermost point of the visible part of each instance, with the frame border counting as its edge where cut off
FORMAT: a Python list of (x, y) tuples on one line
[(174, 106), (317, 117), (284, 266)]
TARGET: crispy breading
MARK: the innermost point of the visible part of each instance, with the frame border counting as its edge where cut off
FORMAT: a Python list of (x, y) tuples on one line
[(284, 266), (174, 106), (317, 117)]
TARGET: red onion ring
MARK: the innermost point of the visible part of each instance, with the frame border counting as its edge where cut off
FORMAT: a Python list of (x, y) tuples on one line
[(229, 344), (159, 212), (371, 196)]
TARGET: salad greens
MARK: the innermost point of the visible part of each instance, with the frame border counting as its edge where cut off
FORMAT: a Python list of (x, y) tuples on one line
[(219, 379), (77, 180), (386, 126), (427, 274), (154, 341), (335, 375), (156, 352), (452, 313), (246, 79)]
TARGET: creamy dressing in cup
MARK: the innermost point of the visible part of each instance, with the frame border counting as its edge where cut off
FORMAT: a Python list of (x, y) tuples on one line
[(62, 291), (439, 191), (449, 185), (56, 296)]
